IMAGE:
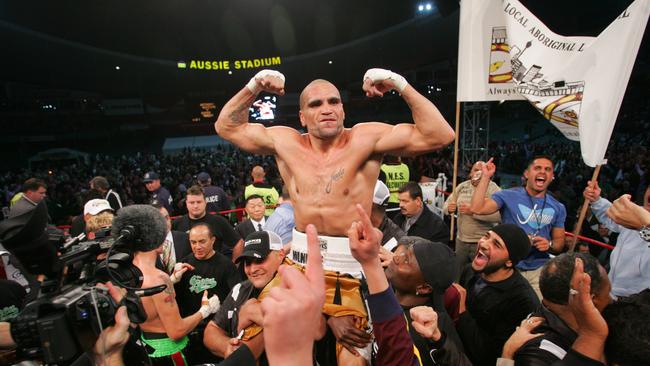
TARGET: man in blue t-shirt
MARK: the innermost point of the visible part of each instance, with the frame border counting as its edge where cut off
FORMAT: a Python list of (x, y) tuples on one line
[(531, 208)]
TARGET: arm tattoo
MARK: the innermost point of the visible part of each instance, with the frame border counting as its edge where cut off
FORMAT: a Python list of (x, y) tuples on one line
[(336, 176), (169, 290), (237, 116)]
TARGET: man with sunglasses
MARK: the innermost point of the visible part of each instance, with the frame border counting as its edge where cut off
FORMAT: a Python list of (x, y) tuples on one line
[(238, 322)]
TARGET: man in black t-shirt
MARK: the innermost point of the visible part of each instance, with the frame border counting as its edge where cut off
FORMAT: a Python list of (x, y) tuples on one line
[(209, 270), (227, 242), (202, 270)]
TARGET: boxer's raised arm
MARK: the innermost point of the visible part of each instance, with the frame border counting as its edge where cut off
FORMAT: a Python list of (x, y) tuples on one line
[(430, 131), (232, 123)]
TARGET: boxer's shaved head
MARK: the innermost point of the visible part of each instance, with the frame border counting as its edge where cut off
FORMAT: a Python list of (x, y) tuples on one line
[(303, 94)]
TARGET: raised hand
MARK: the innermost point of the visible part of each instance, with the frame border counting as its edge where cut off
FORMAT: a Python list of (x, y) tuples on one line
[(625, 212), (298, 300), (425, 322), (376, 82), (488, 169), (365, 239), (270, 81)]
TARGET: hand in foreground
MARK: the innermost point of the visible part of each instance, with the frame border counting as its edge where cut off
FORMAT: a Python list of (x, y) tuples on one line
[(522, 334), (297, 294), (592, 328), (111, 341), (347, 334), (425, 322), (365, 239), (625, 212)]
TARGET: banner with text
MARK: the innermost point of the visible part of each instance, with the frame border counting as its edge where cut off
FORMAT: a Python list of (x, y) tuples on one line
[(577, 83)]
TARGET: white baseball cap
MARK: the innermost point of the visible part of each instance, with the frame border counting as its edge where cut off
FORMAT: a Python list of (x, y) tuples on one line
[(93, 207), (381, 195)]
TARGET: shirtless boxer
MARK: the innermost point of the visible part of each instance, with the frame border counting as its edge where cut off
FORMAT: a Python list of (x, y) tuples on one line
[(330, 166), (164, 331)]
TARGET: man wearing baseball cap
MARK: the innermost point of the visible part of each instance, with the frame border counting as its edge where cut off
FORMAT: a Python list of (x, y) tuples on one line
[(158, 192), (498, 297), (215, 197), (238, 322), (420, 273), (98, 215), (392, 232)]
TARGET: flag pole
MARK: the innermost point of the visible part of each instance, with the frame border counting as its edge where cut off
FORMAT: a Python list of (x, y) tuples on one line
[(454, 180), (583, 213)]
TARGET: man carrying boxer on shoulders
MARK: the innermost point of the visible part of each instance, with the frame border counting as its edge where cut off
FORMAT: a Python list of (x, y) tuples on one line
[(327, 168)]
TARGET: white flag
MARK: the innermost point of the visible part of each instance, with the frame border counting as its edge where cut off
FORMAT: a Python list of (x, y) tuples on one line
[(577, 83), (484, 72)]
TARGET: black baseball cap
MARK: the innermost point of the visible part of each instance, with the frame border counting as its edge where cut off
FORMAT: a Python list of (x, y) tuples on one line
[(203, 177), (150, 177), (259, 244)]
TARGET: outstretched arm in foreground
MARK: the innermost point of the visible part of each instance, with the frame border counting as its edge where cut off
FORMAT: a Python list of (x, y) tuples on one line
[(298, 301), (395, 343)]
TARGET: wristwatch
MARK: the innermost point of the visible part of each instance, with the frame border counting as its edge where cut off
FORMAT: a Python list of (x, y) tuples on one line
[(644, 233)]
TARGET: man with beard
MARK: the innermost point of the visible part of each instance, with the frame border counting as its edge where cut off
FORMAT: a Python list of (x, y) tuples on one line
[(498, 297), (531, 208), (470, 226)]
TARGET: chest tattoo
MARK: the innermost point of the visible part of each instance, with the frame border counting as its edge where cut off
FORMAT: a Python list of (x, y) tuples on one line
[(336, 176)]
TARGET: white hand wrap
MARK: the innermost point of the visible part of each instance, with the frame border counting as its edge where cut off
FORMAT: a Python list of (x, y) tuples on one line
[(211, 307), (379, 75), (174, 277), (254, 87)]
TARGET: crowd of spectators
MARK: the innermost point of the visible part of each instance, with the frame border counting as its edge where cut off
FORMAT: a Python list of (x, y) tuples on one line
[(628, 160)]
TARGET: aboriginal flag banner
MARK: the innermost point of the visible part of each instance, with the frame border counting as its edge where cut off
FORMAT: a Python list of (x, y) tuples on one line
[(577, 83)]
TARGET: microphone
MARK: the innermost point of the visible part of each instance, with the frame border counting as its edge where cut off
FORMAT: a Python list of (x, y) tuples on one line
[(140, 227)]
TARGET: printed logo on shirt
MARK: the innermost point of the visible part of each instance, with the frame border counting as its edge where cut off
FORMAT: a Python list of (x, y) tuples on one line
[(212, 199), (8, 313), (535, 218), (199, 284)]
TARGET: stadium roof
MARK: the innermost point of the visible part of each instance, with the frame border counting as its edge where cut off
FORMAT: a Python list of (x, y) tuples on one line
[(80, 45)]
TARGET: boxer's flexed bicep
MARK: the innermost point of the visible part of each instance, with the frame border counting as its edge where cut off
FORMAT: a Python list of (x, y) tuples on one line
[(430, 130), (232, 123)]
